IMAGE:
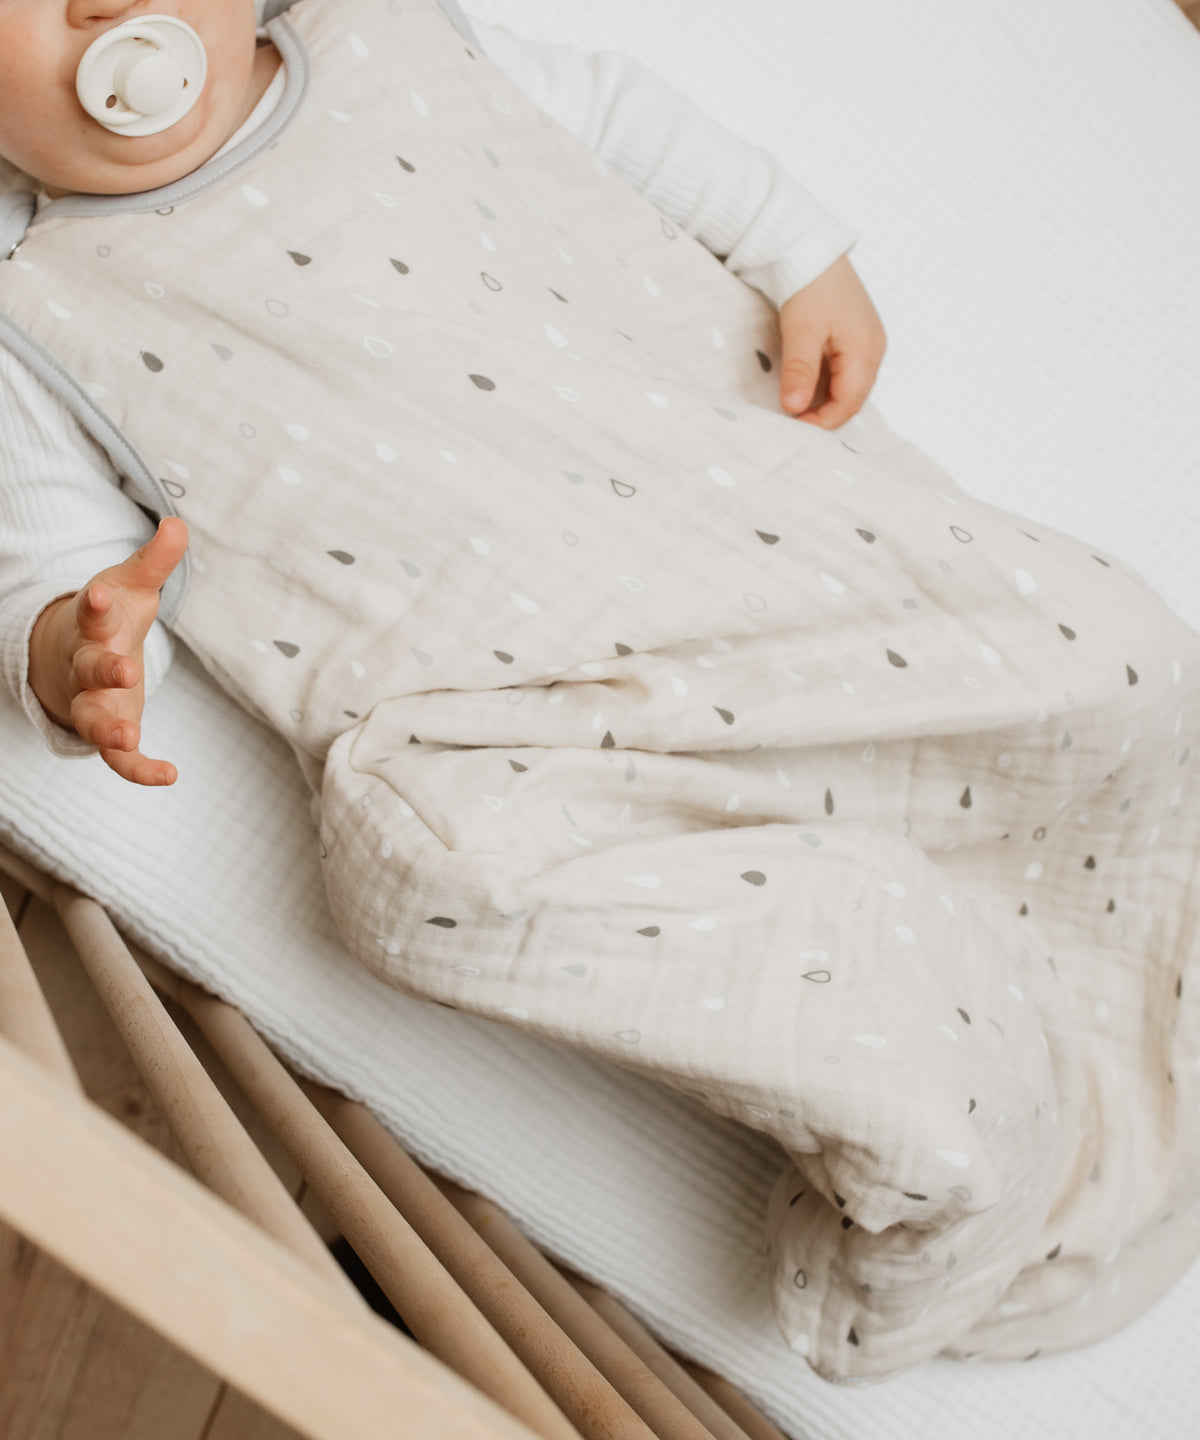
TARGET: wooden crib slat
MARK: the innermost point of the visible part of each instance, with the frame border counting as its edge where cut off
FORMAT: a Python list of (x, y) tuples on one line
[(146, 1234), (734, 1403), (433, 1306), (581, 1391), (659, 1359), (25, 1018), (12, 894), (629, 1374), (218, 1150), (24, 874)]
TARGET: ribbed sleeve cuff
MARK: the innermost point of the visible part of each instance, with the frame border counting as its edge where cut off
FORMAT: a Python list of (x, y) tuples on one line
[(800, 264)]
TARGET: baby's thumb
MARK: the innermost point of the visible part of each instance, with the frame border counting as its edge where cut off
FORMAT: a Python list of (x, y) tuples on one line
[(150, 567), (800, 371)]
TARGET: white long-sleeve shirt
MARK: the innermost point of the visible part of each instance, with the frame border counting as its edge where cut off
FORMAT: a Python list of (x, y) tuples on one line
[(62, 515)]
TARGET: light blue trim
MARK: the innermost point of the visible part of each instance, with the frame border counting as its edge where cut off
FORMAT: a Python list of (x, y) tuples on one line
[(454, 13), (139, 481)]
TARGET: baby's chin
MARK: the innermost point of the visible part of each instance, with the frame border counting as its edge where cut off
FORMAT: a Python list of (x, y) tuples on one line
[(109, 163)]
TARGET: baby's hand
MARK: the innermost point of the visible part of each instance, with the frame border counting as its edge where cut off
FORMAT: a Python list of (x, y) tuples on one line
[(85, 655), (833, 342)]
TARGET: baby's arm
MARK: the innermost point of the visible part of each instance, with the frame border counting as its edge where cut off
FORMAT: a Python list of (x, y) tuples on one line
[(62, 520), (734, 197), (85, 655)]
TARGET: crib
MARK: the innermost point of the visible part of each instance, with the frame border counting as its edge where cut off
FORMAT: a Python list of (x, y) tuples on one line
[(1025, 179)]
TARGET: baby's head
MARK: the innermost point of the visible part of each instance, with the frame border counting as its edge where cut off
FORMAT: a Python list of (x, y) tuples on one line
[(46, 132)]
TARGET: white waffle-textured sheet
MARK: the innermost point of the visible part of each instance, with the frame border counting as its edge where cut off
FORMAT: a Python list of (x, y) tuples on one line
[(1026, 176)]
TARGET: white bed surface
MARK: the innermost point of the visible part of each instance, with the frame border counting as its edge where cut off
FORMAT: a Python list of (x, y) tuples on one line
[(1027, 181)]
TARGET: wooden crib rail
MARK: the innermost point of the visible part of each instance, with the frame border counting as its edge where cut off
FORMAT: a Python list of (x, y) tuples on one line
[(149, 1236), (560, 1357)]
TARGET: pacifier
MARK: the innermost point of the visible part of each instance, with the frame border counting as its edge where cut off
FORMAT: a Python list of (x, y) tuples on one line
[(141, 77)]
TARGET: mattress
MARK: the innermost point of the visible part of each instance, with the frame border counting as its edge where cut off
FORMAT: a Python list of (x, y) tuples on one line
[(1025, 180)]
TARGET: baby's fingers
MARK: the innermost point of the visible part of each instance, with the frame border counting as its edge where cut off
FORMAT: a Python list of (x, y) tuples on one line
[(102, 718), (97, 668), (96, 612), (850, 379), (139, 769)]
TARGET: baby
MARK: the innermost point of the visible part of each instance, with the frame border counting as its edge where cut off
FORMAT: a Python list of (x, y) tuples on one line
[(85, 649), (754, 755)]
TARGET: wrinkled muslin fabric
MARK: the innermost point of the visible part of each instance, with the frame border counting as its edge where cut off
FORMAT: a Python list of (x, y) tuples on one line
[(763, 760)]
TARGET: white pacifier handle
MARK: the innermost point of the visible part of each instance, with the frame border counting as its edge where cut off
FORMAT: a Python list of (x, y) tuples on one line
[(141, 77)]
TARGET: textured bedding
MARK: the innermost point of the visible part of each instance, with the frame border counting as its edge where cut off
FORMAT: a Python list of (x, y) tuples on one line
[(551, 1210)]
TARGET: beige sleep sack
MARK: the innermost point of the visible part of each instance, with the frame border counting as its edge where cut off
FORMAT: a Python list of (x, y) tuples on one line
[(763, 760)]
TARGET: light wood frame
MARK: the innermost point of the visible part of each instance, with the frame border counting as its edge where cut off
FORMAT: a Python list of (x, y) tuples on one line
[(231, 1271)]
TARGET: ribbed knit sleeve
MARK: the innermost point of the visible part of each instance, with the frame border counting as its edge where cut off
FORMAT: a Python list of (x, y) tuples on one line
[(734, 197), (62, 519)]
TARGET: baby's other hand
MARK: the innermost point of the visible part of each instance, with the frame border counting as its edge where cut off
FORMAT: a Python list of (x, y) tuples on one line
[(833, 342), (85, 655)]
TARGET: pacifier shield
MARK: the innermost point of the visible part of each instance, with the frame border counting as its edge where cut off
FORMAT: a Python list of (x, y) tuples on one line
[(142, 76)]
